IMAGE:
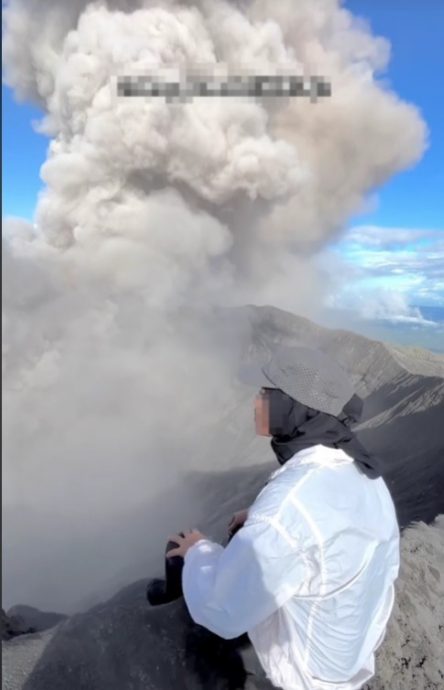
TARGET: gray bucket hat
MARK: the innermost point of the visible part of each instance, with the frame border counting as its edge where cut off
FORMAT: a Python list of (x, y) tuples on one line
[(305, 374)]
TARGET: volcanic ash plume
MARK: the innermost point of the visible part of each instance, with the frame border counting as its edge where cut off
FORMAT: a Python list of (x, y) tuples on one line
[(154, 212)]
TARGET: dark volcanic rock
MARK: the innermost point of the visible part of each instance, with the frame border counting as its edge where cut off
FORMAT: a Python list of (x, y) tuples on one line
[(12, 626), (35, 619), (125, 644)]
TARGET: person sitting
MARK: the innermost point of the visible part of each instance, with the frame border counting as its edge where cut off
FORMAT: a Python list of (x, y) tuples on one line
[(309, 570)]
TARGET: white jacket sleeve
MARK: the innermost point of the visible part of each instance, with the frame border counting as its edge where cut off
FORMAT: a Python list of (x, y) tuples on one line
[(231, 590)]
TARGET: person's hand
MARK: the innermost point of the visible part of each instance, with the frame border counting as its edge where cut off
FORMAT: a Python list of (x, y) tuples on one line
[(191, 537), (237, 521)]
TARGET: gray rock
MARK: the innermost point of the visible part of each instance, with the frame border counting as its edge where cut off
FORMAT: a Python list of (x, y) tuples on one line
[(14, 625), (126, 644), (33, 618)]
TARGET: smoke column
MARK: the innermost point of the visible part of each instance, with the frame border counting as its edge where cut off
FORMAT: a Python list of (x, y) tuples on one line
[(153, 213)]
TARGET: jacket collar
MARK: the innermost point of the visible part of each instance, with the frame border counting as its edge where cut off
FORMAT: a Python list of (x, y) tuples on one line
[(318, 455), (322, 455)]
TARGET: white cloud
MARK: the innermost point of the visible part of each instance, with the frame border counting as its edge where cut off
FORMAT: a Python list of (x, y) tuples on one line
[(387, 269), (377, 237), (380, 304)]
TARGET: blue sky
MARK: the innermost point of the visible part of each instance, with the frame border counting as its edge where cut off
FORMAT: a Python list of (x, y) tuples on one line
[(396, 249), (24, 151), (416, 32)]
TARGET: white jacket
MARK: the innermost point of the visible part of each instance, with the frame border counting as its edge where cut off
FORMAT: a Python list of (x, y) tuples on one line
[(309, 576)]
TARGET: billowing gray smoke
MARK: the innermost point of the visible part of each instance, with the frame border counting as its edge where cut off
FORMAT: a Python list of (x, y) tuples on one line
[(151, 208)]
